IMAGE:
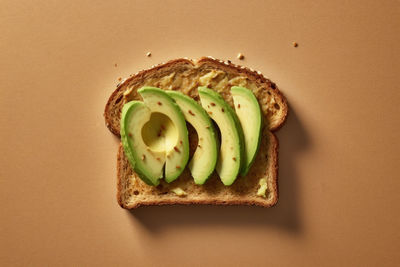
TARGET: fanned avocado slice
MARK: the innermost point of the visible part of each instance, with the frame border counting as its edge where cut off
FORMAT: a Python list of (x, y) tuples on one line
[(146, 163), (154, 136), (231, 155), (250, 117), (167, 132), (204, 158)]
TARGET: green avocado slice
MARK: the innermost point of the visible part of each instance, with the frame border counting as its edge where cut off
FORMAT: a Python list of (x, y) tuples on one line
[(249, 113), (204, 158), (166, 131), (146, 163), (231, 155)]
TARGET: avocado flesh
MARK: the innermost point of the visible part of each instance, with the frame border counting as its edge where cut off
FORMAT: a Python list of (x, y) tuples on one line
[(231, 155), (172, 140), (204, 158), (249, 113), (146, 163)]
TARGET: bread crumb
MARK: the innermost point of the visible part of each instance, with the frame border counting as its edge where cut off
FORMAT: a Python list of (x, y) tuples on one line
[(115, 65), (120, 79), (240, 56), (295, 44), (148, 54)]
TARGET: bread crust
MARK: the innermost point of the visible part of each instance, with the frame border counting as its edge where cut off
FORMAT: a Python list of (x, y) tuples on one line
[(117, 95), (210, 201), (110, 114)]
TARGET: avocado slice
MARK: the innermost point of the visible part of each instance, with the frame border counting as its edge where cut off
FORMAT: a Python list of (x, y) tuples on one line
[(147, 164), (249, 113), (166, 131), (204, 158), (231, 155)]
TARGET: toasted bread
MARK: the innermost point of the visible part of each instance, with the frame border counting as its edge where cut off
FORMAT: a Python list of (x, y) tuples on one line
[(186, 75)]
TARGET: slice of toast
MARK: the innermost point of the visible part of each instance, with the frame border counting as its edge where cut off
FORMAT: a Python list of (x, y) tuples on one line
[(186, 75)]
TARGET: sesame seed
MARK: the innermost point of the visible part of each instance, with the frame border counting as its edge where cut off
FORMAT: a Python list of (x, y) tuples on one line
[(223, 110), (143, 157), (191, 112), (176, 149), (209, 112), (212, 104), (234, 158), (238, 105), (159, 103)]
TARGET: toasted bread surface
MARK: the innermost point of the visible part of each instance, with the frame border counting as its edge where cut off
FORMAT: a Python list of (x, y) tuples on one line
[(186, 75)]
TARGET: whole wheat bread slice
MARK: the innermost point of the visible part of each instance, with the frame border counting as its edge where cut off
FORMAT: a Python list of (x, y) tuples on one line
[(186, 75)]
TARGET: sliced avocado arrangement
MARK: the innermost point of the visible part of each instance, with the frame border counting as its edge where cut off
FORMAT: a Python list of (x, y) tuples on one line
[(155, 137), (204, 158), (231, 155), (154, 134), (250, 117)]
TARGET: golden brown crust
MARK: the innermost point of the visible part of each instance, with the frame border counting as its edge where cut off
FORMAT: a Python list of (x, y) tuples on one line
[(124, 171), (253, 75), (211, 200), (117, 96), (119, 174)]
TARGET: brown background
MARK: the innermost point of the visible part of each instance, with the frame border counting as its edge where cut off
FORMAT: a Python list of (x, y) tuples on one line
[(339, 156)]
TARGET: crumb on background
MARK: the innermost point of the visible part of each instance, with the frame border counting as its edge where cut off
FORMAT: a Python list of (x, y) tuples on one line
[(115, 65), (148, 54), (240, 56), (295, 44), (120, 78)]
